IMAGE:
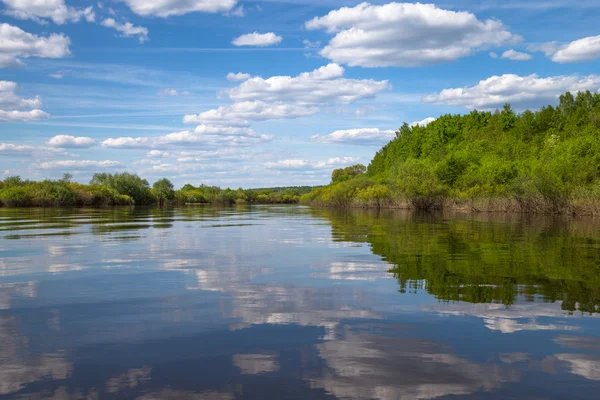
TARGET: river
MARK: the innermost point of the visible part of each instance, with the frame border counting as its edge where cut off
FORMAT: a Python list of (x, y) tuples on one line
[(274, 302)]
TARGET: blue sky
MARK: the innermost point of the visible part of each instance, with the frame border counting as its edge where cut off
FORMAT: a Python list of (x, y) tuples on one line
[(265, 92)]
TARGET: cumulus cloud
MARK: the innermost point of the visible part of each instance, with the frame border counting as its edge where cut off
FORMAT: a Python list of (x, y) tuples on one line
[(306, 164), (8, 98), (406, 34), (15, 44), (360, 136), (203, 136), (79, 164), (165, 8), (424, 122), (323, 85), (10, 104), (283, 97), (586, 49), (42, 10), (231, 77), (257, 39), (71, 142), (239, 114), (516, 56), (530, 90), (127, 29)]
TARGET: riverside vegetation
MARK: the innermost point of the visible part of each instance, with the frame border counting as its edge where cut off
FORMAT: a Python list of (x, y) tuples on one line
[(545, 161), (129, 189)]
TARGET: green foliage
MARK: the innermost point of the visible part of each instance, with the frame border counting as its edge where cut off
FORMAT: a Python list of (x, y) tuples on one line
[(375, 195), (15, 192), (344, 174), (341, 194), (214, 195), (129, 189), (539, 160), (163, 190), (420, 184), (127, 184)]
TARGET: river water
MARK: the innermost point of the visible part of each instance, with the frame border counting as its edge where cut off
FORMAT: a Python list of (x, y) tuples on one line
[(277, 302)]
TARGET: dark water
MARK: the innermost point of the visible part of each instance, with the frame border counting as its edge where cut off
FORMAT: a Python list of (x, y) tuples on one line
[(293, 302)]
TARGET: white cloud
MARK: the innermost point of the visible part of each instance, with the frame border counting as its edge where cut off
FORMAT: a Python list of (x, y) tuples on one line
[(169, 92), (10, 104), (42, 10), (530, 90), (237, 12), (424, 122), (165, 8), (311, 45), (71, 142), (306, 164), (173, 92), (586, 49), (493, 55), (127, 29), (9, 100), (203, 136), (283, 97), (548, 48), (15, 44), (240, 76), (16, 149), (323, 85), (257, 39), (360, 136), (79, 164), (56, 76), (516, 56), (14, 116), (239, 114), (406, 34)]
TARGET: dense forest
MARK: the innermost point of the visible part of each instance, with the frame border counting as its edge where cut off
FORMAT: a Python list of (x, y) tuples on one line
[(535, 161), (129, 189)]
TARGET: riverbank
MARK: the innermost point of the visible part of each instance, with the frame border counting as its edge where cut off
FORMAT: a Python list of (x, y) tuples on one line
[(589, 207)]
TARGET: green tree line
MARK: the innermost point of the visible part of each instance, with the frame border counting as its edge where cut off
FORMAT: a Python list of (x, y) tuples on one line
[(534, 161), (124, 189)]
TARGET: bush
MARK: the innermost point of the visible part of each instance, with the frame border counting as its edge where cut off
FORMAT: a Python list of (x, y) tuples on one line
[(421, 186), (16, 196)]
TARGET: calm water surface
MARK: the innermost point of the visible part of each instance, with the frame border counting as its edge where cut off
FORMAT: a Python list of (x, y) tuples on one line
[(293, 302)]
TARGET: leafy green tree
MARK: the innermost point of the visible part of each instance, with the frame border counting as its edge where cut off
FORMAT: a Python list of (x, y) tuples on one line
[(164, 190), (344, 174), (126, 184)]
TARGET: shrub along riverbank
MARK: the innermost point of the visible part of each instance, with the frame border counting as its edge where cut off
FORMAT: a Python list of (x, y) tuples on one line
[(545, 161), (129, 189)]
